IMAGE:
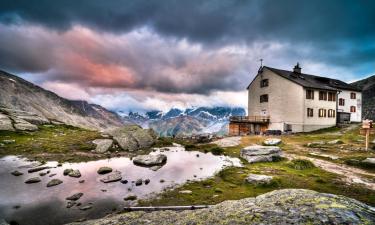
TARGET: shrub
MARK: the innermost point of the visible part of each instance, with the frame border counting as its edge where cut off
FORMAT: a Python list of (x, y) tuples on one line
[(301, 164), (217, 150), (189, 147)]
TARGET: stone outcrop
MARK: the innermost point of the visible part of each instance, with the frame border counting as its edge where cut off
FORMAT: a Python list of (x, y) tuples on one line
[(272, 141), (288, 206), (102, 145), (258, 153), (133, 137), (258, 179), (150, 160)]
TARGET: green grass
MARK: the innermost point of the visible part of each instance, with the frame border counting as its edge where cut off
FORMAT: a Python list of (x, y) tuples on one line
[(301, 164), (52, 140)]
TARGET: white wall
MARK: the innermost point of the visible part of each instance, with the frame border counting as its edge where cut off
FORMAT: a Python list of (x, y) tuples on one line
[(354, 117)]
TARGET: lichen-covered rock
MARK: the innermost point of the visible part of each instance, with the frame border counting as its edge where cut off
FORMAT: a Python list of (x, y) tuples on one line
[(33, 180), (258, 153), (113, 177), (288, 206), (132, 137), (104, 170), (102, 145), (272, 141), (74, 173), (23, 125), (54, 182), (75, 196), (258, 179), (150, 160)]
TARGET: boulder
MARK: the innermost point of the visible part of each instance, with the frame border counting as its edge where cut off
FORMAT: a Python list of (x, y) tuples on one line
[(5, 123), (16, 173), (36, 169), (74, 173), (286, 206), (67, 171), (54, 182), (257, 153), (335, 142), (138, 182), (369, 161), (186, 192), (75, 197), (23, 125), (104, 170), (130, 198), (113, 177), (102, 145), (150, 160), (32, 180), (132, 137), (272, 141), (258, 179)]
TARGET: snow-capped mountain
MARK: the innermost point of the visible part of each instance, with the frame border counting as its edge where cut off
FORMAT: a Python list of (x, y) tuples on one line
[(186, 122)]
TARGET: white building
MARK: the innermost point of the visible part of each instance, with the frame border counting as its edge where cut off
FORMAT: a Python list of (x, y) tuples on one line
[(293, 101)]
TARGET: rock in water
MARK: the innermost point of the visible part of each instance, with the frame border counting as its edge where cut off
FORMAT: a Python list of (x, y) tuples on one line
[(257, 153), (286, 206), (272, 141), (102, 145), (113, 177), (33, 180), (67, 171), (16, 173), (36, 169), (74, 173), (150, 160), (75, 197), (259, 179), (104, 170), (54, 182), (138, 182)]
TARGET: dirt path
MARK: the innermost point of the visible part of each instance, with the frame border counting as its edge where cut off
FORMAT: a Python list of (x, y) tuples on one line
[(351, 174)]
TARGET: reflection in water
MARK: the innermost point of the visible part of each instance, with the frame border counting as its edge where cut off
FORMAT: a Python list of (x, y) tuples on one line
[(42, 205)]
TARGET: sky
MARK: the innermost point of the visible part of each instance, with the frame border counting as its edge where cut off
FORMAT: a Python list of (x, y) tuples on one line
[(154, 55)]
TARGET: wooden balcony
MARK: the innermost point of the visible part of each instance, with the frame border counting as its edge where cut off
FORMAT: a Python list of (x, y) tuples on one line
[(250, 119)]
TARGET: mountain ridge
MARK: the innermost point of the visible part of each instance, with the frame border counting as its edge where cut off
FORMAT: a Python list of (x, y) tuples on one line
[(367, 85)]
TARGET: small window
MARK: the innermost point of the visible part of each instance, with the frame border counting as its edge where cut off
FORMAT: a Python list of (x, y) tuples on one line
[(332, 96), (322, 113), (263, 98), (310, 112), (264, 83), (353, 95), (323, 95), (331, 113), (309, 94), (341, 102), (353, 109)]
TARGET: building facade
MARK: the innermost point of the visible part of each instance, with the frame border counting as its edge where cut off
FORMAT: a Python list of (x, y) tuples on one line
[(290, 101)]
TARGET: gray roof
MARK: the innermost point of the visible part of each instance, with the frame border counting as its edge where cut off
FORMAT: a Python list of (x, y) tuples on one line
[(312, 81)]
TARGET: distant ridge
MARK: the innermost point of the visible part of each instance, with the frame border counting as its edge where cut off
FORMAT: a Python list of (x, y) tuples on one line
[(367, 86)]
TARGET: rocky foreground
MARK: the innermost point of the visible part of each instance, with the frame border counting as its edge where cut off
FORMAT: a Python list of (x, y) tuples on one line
[(288, 206)]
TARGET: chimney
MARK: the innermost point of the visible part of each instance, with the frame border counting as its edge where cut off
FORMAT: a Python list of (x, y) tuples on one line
[(297, 68)]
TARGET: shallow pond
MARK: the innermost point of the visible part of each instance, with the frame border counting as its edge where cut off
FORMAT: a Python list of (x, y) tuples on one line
[(37, 204)]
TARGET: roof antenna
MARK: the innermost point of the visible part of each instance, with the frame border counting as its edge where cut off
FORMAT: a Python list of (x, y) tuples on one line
[(261, 62)]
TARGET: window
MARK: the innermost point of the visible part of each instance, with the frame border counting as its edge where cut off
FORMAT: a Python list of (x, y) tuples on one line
[(264, 83), (263, 98), (331, 113), (322, 113), (353, 109), (309, 94), (323, 95), (332, 96), (353, 95), (310, 112), (341, 101)]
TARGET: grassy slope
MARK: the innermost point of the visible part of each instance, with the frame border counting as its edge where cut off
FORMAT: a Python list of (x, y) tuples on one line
[(230, 183)]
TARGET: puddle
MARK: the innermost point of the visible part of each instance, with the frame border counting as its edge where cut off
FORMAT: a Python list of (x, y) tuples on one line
[(42, 205)]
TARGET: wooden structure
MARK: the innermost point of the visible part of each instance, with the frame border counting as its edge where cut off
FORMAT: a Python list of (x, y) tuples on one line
[(367, 129), (242, 125)]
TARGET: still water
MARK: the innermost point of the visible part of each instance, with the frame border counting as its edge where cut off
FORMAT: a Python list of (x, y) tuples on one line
[(34, 204)]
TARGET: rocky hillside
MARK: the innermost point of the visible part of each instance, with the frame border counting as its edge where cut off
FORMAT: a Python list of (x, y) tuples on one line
[(288, 206), (19, 97), (368, 99), (186, 122)]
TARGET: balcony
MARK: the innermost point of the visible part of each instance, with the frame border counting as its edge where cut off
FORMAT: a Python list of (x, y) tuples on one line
[(249, 119)]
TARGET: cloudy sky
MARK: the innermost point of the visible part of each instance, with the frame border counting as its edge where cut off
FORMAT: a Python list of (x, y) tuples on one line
[(144, 55)]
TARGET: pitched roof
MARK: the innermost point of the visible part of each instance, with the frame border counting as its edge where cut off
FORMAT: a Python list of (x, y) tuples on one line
[(312, 81)]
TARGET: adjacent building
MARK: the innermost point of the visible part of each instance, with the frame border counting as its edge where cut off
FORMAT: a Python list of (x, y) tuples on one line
[(291, 101)]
